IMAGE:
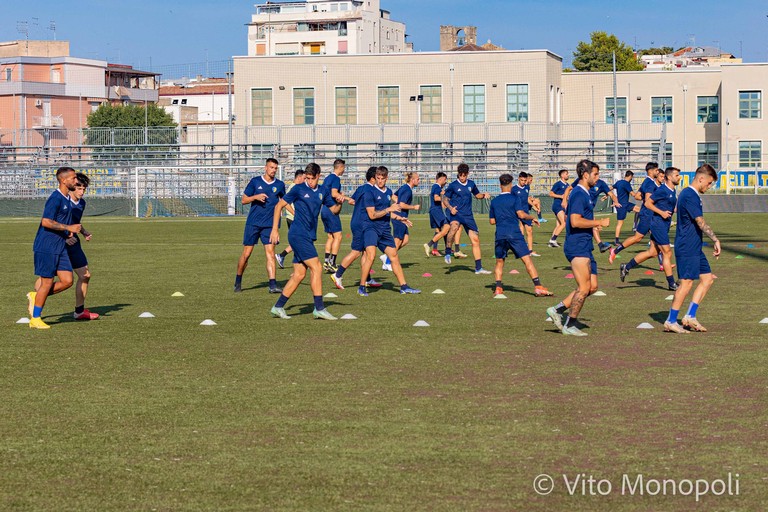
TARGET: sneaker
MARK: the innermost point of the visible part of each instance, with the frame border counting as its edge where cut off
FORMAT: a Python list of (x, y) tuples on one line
[(323, 314), (482, 271), (332, 268), (436, 253), (362, 292), (553, 243), (612, 255), (428, 250), (327, 267), (31, 302), (540, 291), (460, 255), (408, 289), (373, 283), (535, 254), (37, 323), (86, 315), (556, 317), (280, 261), (674, 327), (498, 291), (387, 267), (623, 272), (690, 322), (275, 290), (383, 259), (604, 246), (543, 220), (572, 330), (337, 281), (279, 313), (661, 268), (672, 287), (448, 259), (238, 288)]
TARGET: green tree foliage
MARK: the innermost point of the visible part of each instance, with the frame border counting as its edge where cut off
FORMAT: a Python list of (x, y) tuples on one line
[(123, 116), (597, 54), (663, 50)]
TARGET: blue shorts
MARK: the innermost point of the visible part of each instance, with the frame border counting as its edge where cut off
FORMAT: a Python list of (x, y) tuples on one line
[(399, 229), (372, 238), (437, 218), (253, 234), (660, 232), (527, 222), (592, 262), (621, 213), (643, 224), (331, 221), (303, 248), (47, 264), (468, 222), (557, 208), (518, 246), (692, 267), (76, 255)]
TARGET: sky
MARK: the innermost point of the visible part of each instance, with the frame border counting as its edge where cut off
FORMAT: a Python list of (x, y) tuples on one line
[(160, 33)]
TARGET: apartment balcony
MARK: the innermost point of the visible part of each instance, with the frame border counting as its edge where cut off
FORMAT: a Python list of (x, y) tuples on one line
[(42, 122), (31, 89)]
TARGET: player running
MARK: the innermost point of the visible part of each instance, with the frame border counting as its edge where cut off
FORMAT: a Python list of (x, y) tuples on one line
[(458, 201), (623, 191), (557, 194), (437, 219), (647, 188)]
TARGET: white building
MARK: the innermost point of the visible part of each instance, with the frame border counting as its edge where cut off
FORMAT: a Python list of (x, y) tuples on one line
[(324, 27), (197, 101)]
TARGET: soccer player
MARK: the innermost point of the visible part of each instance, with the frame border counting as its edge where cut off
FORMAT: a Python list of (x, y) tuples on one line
[(262, 193), (404, 197), (458, 201), (75, 249), (505, 213), (691, 262), (647, 188), (307, 199), (298, 179), (437, 219), (623, 191), (522, 192), (51, 258), (601, 187), (331, 222), (377, 232), (558, 189), (662, 205), (579, 224)]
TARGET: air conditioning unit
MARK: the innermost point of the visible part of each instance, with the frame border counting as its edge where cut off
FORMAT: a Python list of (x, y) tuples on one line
[(38, 103)]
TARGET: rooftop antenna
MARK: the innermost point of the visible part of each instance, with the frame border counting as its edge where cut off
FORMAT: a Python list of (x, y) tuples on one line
[(52, 28), (22, 27)]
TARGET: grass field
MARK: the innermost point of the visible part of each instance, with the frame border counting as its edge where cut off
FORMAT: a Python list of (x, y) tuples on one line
[(258, 413)]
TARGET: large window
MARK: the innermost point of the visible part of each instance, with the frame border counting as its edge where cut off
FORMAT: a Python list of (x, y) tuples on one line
[(517, 103), (665, 160), (303, 106), (432, 104), (346, 105), (707, 109), (261, 107), (749, 153), (474, 103), (708, 153), (389, 105), (750, 104), (661, 109), (617, 111)]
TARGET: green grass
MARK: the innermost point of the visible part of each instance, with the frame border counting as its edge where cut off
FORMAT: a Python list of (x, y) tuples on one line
[(262, 414)]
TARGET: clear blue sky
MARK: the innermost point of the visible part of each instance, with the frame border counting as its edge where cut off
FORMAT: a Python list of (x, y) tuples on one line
[(180, 32)]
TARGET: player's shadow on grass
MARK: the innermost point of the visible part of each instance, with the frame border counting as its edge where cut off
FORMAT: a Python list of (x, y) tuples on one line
[(102, 311), (659, 317), (642, 283), (509, 290), (458, 268)]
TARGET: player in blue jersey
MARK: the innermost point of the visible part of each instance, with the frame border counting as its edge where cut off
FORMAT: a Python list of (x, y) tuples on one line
[(262, 193), (458, 202), (580, 222), (404, 197), (662, 205), (556, 193), (623, 191), (601, 187), (75, 249), (647, 188), (437, 219), (50, 253), (522, 191), (307, 200), (505, 213), (298, 178), (331, 222), (691, 262)]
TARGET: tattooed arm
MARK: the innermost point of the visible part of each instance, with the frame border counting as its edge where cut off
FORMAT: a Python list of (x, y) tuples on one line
[(704, 227)]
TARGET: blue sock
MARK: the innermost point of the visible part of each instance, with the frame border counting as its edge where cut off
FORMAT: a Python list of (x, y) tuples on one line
[(281, 301), (670, 280), (447, 251), (272, 283), (536, 281), (661, 259), (672, 318), (403, 286), (340, 270), (319, 302), (498, 284), (478, 264), (692, 309), (388, 262), (618, 249), (631, 264), (37, 312), (238, 280), (617, 241)]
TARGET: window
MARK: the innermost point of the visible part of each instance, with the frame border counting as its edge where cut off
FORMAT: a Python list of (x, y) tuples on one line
[(619, 112), (610, 159), (8, 74), (517, 103), (708, 153), (389, 105), (303, 106), (346, 105), (517, 156), (184, 101), (749, 153), (707, 109), (749, 104), (261, 107), (665, 160), (661, 109), (474, 103), (94, 105), (432, 105)]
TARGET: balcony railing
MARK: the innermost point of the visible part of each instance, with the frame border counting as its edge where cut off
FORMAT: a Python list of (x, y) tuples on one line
[(47, 122)]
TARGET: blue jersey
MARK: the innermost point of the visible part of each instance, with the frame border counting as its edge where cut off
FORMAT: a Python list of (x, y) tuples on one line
[(460, 195), (380, 199), (359, 219), (623, 189), (579, 240), (688, 236), (77, 211), (404, 195), (649, 186), (504, 209), (306, 205), (58, 208), (260, 214), (522, 197), (437, 190), (598, 188), (664, 198), (332, 181), (558, 189)]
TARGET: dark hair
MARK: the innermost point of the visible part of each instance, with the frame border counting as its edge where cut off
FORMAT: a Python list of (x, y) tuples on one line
[(338, 162), (382, 171), (669, 171), (708, 170), (628, 174), (370, 173), (61, 171), (272, 161), (462, 169), (651, 165), (585, 167), (83, 179), (441, 174), (561, 171), (312, 169), (522, 174), (299, 172), (506, 179)]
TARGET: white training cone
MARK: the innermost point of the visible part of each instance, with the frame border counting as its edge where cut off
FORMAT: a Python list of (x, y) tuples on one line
[(438, 292), (349, 316), (421, 323), (599, 293), (146, 314), (763, 321), (670, 297), (500, 296), (207, 322), (645, 325), (513, 271), (23, 320), (549, 319), (330, 295), (177, 294)]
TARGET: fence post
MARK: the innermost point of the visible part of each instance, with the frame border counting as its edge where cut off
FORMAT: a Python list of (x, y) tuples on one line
[(136, 190)]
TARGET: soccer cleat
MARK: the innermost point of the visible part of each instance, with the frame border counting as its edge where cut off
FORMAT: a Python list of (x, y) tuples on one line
[(690, 322), (373, 283), (672, 287), (362, 292), (543, 220), (448, 259), (436, 253), (323, 314), (556, 317), (612, 255), (408, 289), (86, 315), (482, 271), (572, 330), (37, 323), (674, 327), (535, 254), (238, 288), (31, 302), (387, 267), (553, 243), (280, 261), (333, 268), (275, 290), (604, 246), (460, 255), (540, 291), (498, 291), (337, 281), (279, 313), (623, 272), (427, 250)]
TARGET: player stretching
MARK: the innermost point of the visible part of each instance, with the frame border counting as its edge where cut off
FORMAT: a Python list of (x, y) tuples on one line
[(558, 189), (331, 222), (691, 262), (437, 219), (458, 201), (522, 191), (505, 213), (403, 197), (580, 221), (623, 191), (644, 218)]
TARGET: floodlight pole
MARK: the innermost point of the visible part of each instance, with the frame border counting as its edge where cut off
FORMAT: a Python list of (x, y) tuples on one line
[(615, 118)]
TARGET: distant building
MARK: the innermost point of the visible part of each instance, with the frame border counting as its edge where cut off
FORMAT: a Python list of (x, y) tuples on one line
[(201, 100), (690, 57)]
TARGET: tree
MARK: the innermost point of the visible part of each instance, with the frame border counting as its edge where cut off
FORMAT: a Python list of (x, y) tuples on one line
[(597, 54), (664, 50)]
